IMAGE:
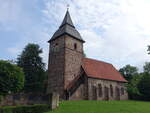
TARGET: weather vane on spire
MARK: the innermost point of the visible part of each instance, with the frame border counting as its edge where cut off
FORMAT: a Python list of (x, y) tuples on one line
[(68, 7)]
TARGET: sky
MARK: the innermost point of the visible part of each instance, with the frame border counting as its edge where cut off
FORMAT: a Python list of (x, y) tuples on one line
[(115, 31)]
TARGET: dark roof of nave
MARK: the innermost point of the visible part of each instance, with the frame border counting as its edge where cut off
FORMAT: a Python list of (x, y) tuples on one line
[(102, 70), (68, 28)]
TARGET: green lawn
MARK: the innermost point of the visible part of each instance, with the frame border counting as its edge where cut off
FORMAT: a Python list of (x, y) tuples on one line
[(103, 107)]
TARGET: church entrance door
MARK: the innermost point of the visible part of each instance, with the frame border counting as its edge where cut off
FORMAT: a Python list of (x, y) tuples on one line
[(106, 92)]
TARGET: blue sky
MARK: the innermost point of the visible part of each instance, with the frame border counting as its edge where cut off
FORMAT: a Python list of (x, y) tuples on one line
[(115, 31)]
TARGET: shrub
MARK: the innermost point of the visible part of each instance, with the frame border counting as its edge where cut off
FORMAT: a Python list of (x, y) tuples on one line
[(25, 109)]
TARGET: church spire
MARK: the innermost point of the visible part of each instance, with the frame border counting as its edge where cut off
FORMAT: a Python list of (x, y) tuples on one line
[(68, 28), (67, 20)]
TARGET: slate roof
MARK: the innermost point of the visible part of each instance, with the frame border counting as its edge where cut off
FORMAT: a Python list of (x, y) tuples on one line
[(68, 28), (102, 70)]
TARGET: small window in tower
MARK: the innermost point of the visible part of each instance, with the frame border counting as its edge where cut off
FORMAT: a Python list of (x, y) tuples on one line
[(56, 44), (75, 46)]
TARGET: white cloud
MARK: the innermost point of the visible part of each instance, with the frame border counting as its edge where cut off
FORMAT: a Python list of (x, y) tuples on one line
[(115, 31), (10, 13)]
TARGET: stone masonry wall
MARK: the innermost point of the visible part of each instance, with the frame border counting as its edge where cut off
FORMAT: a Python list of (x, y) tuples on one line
[(112, 95), (73, 58), (24, 99), (82, 92), (56, 66)]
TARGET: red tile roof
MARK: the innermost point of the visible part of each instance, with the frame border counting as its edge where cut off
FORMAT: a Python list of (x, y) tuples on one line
[(102, 70)]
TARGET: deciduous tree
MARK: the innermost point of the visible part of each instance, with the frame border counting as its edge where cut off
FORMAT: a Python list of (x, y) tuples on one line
[(147, 67), (148, 49), (144, 86), (11, 78), (128, 71)]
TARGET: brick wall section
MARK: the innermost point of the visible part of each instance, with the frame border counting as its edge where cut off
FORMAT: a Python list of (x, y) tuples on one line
[(106, 83)]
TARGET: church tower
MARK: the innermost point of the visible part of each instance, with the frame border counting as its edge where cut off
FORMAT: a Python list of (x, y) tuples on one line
[(65, 57)]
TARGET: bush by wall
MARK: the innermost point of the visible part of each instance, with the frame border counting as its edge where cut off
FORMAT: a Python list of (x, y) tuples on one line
[(25, 109)]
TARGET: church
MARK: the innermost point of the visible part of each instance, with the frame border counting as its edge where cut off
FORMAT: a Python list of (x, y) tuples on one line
[(75, 77)]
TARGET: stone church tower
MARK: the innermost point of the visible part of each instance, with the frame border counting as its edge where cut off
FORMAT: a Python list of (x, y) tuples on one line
[(65, 57)]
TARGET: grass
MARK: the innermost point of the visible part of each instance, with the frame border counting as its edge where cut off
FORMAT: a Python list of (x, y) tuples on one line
[(103, 107)]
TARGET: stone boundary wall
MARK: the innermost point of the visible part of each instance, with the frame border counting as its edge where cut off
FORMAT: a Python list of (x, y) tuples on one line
[(24, 99)]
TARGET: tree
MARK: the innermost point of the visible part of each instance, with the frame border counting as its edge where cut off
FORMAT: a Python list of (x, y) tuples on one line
[(144, 86), (33, 67), (148, 49), (11, 78), (128, 71), (147, 67), (132, 87)]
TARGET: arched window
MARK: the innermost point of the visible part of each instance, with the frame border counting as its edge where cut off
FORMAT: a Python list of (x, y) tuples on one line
[(122, 91), (111, 90), (100, 93), (75, 46)]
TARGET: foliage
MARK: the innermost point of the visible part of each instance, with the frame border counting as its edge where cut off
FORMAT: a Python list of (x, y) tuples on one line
[(147, 67), (148, 49), (1, 98), (11, 78), (128, 72), (102, 107), (132, 87), (33, 67), (144, 86), (25, 109)]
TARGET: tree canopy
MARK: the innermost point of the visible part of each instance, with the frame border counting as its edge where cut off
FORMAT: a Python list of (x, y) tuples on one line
[(148, 49), (11, 78), (128, 71), (33, 67), (147, 67), (144, 86), (132, 87)]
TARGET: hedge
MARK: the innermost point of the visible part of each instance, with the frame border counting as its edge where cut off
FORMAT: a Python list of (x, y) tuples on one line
[(25, 109)]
